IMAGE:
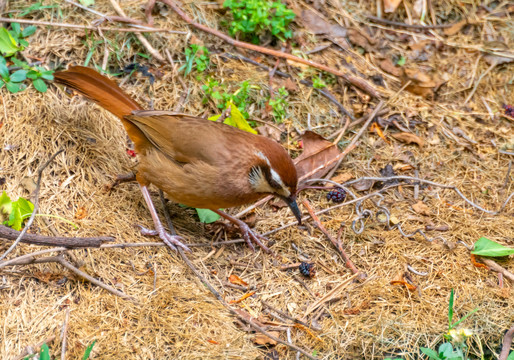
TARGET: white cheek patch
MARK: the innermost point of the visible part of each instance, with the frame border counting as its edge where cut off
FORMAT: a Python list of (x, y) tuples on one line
[(259, 182)]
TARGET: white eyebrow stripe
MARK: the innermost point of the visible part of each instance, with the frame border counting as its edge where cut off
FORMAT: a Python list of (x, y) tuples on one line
[(275, 176), (263, 157)]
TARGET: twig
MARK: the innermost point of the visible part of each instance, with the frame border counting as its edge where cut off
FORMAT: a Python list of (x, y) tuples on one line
[(60, 260), (507, 341), (410, 26), (224, 114), (348, 263), (37, 346), (64, 333), (29, 257), (89, 27), (148, 11), (218, 296), (358, 82), (42, 240), (475, 87), (36, 204), (493, 265), (285, 315), (357, 136), (139, 36), (324, 92)]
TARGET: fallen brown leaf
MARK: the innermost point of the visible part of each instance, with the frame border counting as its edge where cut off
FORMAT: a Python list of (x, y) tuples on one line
[(409, 138), (342, 178), (390, 6), (421, 83), (421, 208), (455, 28), (359, 38), (317, 153), (234, 279), (269, 132), (261, 339), (81, 213), (390, 68), (317, 25)]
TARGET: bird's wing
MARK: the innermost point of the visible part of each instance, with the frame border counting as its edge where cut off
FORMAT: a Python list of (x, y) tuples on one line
[(185, 138)]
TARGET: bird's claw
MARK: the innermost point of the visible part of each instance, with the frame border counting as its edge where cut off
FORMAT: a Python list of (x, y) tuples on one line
[(251, 236), (171, 240)]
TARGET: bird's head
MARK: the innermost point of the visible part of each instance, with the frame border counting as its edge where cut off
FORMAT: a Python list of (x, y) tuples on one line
[(274, 173)]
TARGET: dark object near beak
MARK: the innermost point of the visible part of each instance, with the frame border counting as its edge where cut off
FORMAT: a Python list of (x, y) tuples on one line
[(291, 202)]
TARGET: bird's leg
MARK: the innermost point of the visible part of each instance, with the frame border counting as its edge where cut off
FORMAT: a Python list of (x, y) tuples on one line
[(248, 234), (170, 240)]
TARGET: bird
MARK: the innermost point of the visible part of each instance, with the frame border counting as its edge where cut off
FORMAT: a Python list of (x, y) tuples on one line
[(195, 161)]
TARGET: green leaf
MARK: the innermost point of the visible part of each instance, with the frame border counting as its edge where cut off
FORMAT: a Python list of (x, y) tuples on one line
[(33, 74), (26, 208), (87, 2), (20, 210), (44, 354), (450, 310), (207, 216), (237, 119), (445, 350), (40, 85), (511, 356), (432, 354), (401, 61), (486, 247), (88, 351), (8, 44), (48, 75), (19, 75), (29, 30), (5, 204), (13, 87), (4, 71)]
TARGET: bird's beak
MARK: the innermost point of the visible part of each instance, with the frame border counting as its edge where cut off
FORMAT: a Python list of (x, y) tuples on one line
[(291, 202)]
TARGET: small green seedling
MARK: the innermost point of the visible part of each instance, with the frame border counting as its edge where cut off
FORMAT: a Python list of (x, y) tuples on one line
[(318, 83), (252, 18), (196, 56), (279, 105), (44, 353)]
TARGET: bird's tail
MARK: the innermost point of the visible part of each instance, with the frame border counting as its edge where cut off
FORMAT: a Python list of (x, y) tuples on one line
[(99, 89)]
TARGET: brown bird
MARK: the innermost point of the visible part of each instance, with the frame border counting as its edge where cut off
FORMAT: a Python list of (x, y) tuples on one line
[(196, 162)]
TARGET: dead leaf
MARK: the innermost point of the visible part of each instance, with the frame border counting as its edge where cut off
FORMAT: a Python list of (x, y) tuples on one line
[(246, 315), (359, 38), (317, 25), (421, 83), (421, 208), (212, 342), (342, 178), (455, 28), (269, 132), (244, 297), (390, 6), (234, 279), (363, 185), (318, 156), (261, 339), (409, 138), (290, 85), (390, 68), (81, 213)]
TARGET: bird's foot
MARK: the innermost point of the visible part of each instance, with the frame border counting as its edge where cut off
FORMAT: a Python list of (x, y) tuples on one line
[(171, 240), (251, 236)]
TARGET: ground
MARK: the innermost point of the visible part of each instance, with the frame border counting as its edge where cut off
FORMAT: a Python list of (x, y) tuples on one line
[(443, 91)]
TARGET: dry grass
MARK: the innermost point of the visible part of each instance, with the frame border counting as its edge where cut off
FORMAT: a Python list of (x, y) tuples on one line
[(179, 317)]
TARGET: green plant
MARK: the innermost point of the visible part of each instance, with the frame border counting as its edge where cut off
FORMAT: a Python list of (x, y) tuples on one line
[(318, 83), (216, 91), (11, 42), (44, 353), (36, 7), (279, 105), (255, 17), (457, 337), (197, 56)]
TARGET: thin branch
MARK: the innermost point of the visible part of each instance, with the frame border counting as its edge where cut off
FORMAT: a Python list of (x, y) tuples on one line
[(88, 27), (507, 342), (60, 260), (36, 204), (356, 81), (42, 240), (337, 244), (139, 36), (493, 265), (65, 333), (409, 26)]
